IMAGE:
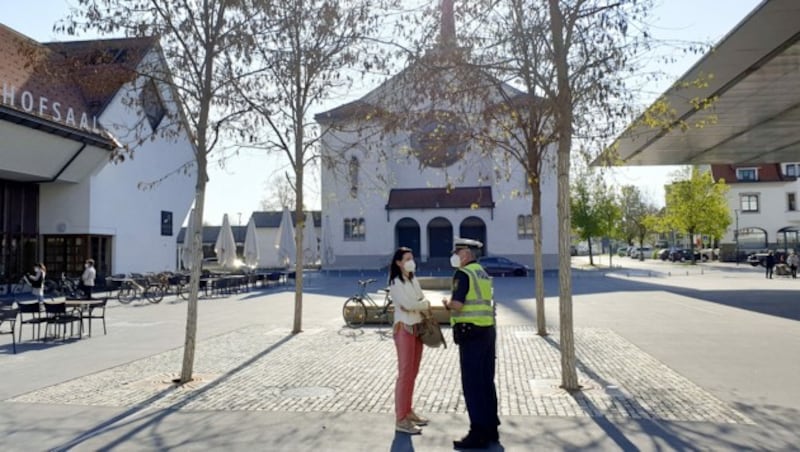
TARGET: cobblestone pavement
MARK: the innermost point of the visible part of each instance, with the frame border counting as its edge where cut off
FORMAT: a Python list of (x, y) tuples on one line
[(326, 370)]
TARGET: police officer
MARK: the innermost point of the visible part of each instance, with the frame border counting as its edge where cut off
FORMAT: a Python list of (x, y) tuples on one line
[(473, 321)]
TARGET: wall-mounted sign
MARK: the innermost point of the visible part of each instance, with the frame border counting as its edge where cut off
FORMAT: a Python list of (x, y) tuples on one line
[(166, 223), (51, 110)]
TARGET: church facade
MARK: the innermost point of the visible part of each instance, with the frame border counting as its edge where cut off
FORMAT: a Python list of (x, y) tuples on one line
[(402, 167)]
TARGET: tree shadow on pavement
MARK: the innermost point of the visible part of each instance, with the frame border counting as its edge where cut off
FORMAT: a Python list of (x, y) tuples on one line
[(116, 422), (612, 431)]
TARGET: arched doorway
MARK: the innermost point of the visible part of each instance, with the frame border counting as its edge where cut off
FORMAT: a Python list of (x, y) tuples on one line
[(406, 233), (440, 238), (474, 228)]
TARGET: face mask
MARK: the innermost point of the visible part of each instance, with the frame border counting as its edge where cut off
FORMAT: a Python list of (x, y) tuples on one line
[(455, 261), (410, 266)]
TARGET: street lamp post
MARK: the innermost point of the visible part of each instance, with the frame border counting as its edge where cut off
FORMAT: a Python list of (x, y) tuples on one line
[(736, 234)]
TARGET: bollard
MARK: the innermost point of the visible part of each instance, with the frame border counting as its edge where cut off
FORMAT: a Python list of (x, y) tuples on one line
[(687, 272), (650, 274), (669, 273)]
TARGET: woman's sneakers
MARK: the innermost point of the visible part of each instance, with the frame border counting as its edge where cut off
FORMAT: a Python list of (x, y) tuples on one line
[(417, 419), (408, 426)]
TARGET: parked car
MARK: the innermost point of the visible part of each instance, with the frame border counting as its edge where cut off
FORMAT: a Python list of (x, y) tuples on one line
[(501, 266), (760, 258), (638, 252), (685, 254), (573, 250), (663, 254)]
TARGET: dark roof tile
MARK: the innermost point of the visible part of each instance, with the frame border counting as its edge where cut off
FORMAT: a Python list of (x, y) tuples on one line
[(440, 198)]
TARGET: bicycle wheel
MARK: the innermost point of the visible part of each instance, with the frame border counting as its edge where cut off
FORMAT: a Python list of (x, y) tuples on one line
[(126, 294), (387, 317), (183, 290), (354, 312), (154, 294)]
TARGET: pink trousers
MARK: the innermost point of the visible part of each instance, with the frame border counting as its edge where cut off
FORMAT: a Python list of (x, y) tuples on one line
[(409, 355)]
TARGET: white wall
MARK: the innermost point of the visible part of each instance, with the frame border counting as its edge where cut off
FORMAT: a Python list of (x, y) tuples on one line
[(773, 211), (111, 201), (378, 175)]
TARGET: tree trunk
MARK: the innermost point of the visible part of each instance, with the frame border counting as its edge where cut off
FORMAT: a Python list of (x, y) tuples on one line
[(569, 372), (641, 248), (297, 327), (610, 253), (196, 235), (691, 246), (538, 270), (591, 258)]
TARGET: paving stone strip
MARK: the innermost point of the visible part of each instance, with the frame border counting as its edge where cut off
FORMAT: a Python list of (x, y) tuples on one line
[(347, 370)]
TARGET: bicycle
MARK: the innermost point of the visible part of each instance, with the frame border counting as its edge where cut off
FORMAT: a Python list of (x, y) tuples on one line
[(133, 288), (357, 309), (173, 284), (66, 287)]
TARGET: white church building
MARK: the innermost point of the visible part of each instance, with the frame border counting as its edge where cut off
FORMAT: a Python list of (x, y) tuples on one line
[(403, 185)]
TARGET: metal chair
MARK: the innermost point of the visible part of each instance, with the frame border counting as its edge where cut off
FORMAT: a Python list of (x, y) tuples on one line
[(35, 319), (97, 311), (8, 316), (57, 315)]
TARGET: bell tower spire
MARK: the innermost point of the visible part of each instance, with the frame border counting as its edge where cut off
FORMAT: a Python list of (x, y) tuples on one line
[(447, 37)]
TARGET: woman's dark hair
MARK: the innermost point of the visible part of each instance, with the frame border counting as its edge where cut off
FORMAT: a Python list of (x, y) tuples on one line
[(394, 270)]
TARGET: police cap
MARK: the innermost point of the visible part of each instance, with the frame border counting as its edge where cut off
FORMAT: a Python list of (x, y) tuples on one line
[(461, 244)]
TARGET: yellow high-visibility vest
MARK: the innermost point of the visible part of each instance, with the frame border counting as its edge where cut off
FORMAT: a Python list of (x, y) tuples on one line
[(478, 309)]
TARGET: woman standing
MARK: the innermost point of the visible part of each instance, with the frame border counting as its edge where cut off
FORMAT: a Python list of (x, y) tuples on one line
[(36, 280), (409, 303)]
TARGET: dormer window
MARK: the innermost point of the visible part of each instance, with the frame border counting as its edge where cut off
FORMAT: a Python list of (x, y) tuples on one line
[(746, 174), (791, 169), (152, 105)]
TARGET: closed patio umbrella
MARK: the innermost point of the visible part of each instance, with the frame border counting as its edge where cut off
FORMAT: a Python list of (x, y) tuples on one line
[(284, 243), (251, 254), (186, 246), (310, 241), (225, 247)]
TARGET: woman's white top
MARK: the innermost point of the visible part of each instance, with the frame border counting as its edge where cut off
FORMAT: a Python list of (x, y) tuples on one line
[(409, 296), (88, 276)]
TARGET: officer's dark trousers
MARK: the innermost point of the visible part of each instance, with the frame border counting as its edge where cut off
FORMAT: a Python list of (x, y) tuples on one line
[(477, 353)]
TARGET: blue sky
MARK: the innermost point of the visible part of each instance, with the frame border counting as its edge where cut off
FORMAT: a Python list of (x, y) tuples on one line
[(686, 20)]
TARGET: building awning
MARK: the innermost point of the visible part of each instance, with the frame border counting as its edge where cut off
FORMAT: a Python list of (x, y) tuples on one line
[(440, 198), (37, 150), (755, 74)]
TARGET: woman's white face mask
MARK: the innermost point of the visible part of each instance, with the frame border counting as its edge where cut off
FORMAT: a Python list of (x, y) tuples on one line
[(410, 266), (455, 261)]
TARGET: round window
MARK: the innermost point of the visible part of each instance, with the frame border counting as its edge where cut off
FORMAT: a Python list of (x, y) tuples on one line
[(439, 139)]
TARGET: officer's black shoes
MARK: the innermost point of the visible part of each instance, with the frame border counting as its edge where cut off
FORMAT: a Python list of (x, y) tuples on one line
[(472, 441)]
